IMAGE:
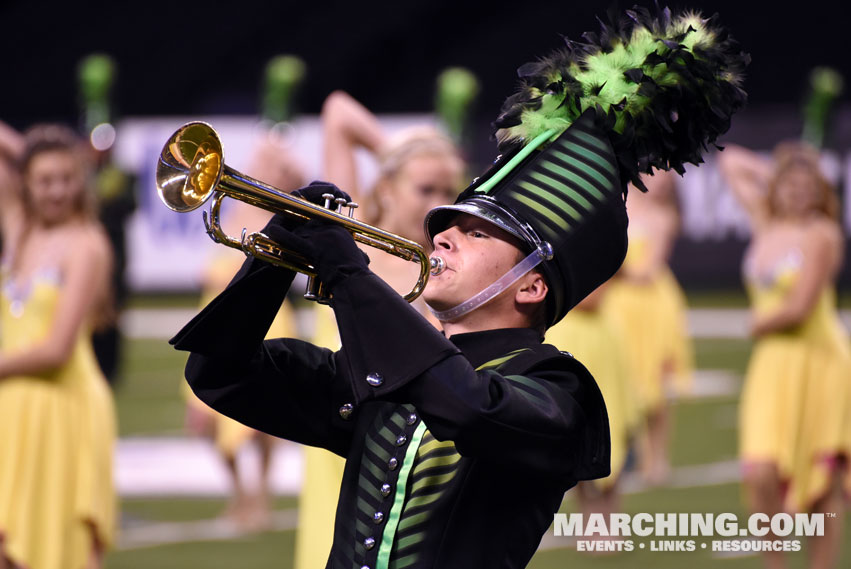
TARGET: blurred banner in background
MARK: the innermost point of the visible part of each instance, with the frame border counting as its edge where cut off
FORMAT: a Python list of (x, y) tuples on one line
[(168, 250)]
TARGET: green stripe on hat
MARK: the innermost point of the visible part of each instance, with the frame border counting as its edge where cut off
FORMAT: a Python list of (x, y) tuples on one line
[(601, 163), (538, 208), (589, 139), (575, 186), (547, 229), (548, 200), (558, 191), (579, 199), (600, 155), (579, 161)]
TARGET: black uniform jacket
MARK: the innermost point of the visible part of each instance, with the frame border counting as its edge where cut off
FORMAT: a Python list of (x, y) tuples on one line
[(458, 451)]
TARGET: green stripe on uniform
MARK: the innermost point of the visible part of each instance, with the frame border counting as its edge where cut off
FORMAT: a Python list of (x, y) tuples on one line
[(499, 361), (406, 561), (389, 533)]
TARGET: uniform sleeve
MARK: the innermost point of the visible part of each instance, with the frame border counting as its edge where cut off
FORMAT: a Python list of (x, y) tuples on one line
[(551, 420), (285, 387)]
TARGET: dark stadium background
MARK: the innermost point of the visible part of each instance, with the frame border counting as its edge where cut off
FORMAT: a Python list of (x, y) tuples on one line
[(180, 58)]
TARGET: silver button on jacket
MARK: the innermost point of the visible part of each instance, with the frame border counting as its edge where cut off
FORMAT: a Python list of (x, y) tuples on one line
[(346, 411), (375, 379)]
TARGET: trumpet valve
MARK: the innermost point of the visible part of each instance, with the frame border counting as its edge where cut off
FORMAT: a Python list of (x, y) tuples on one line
[(352, 207), (316, 292)]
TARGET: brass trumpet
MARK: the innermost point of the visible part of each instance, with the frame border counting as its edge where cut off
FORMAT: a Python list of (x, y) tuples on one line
[(191, 170)]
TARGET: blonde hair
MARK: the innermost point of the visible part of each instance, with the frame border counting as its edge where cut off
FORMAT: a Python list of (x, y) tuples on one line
[(798, 155), (406, 145)]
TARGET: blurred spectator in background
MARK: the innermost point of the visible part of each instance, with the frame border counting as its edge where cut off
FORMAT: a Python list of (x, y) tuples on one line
[(116, 194), (418, 169), (589, 334), (11, 207), (647, 304), (795, 412), (249, 509), (57, 503)]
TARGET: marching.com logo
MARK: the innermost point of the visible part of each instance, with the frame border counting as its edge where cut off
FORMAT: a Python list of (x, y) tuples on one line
[(598, 532)]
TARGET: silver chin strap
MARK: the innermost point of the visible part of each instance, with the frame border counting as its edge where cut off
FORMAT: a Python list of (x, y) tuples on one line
[(544, 252)]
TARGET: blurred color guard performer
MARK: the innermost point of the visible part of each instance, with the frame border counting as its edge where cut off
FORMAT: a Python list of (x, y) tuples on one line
[(795, 413), (57, 420), (648, 306)]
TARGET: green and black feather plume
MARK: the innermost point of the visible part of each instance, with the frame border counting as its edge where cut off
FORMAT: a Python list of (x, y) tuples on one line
[(663, 85)]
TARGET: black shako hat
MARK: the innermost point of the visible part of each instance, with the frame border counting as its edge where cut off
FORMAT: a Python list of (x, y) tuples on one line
[(569, 196), (651, 91)]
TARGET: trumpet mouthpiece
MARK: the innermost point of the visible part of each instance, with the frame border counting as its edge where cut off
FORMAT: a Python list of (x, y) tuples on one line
[(437, 265)]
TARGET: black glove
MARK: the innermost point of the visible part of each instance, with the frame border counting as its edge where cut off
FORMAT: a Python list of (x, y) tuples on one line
[(312, 193), (336, 254), (326, 245)]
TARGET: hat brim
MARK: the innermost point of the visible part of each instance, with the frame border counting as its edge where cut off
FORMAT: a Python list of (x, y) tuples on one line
[(483, 207)]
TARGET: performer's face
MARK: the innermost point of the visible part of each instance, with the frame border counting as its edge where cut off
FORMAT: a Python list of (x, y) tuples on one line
[(421, 184), (476, 253), (797, 193), (55, 181)]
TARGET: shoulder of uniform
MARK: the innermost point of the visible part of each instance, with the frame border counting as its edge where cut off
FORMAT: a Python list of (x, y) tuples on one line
[(548, 356)]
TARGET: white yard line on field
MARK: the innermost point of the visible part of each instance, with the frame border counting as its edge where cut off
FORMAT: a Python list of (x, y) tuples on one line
[(163, 323)]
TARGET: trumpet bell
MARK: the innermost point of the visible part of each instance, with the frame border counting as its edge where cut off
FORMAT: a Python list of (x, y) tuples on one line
[(191, 170), (190, 167)]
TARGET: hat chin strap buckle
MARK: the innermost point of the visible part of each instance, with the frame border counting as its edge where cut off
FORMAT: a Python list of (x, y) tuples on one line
[(543, 252)]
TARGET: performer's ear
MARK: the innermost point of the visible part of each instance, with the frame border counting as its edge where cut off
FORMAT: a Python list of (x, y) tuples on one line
[(533, 289)]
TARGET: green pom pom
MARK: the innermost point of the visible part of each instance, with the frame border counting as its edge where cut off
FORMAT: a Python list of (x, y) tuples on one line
[(96, 74), (456, 91), (826, 86), (284, 74)]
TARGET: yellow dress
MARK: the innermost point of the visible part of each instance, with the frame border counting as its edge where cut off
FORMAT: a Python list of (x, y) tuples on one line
[(57, 432), (795, 409), (323, 475), (651, 318), (593, 340)]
